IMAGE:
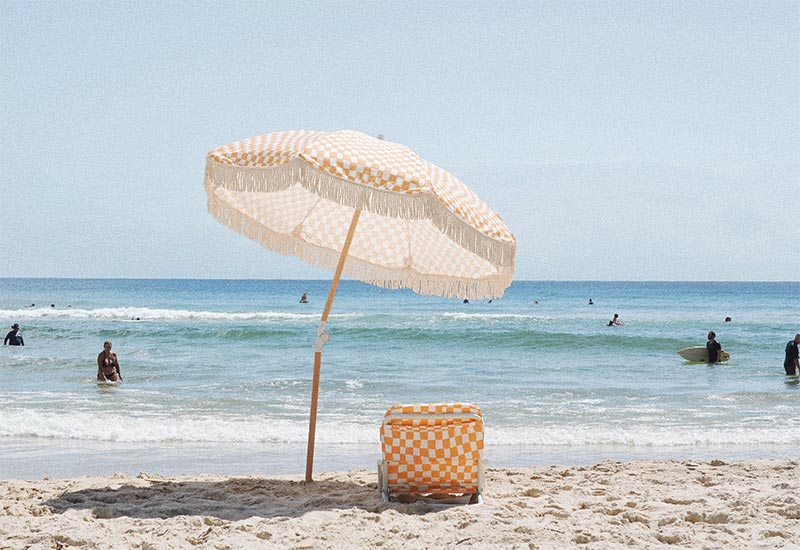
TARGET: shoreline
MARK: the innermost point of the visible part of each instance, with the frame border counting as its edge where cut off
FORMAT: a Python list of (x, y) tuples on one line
[(642, 504), (30, 459)]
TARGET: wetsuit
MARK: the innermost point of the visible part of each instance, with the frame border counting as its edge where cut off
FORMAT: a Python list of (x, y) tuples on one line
[(791, 356), (713, 347), (14, 339)]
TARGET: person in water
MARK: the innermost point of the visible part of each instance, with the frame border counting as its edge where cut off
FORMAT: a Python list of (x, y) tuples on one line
[(108, 365), (615, 322), (304, 298), (591, 303), (792, 362), (14, 337), (713, 347)]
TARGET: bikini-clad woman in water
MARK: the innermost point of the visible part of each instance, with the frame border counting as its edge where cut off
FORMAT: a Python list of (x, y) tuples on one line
[(108, 365)]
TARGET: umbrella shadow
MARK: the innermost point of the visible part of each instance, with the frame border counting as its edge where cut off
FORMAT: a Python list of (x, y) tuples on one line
[(231, 499)]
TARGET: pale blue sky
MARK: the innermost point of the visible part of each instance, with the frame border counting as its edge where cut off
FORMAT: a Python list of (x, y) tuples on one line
[(618, 140)]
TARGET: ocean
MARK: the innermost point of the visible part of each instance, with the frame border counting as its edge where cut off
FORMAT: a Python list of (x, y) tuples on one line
[(218, 373)]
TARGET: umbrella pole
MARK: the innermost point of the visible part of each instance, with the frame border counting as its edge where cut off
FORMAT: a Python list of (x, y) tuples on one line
[(312, 422)]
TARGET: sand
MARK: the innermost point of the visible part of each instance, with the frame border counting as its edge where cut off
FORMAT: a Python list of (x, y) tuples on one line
[(656, 504)]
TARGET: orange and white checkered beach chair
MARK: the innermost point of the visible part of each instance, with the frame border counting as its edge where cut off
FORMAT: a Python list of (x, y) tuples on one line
[(432, 451)]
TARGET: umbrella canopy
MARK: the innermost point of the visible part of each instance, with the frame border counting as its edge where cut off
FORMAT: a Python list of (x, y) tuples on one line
[(370, 209), (420, 228)]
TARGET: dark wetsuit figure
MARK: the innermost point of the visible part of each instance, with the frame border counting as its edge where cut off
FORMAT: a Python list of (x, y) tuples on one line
[(713, 348), (14, 338), (791, 355)]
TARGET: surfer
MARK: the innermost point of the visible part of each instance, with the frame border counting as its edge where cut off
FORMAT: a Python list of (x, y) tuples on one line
[(14, 337), (792, 364), (591, 303), (108, 365), (616, 321), (713, 347)]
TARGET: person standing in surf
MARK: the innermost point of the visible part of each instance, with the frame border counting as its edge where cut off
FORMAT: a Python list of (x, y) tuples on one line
[(14, 337), (108, 365), (713, 347), (792, 364)]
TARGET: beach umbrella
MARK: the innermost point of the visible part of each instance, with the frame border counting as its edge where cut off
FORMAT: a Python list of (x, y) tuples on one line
[(367, 208)]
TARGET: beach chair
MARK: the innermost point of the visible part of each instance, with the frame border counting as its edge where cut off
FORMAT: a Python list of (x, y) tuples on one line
[(432, 452)]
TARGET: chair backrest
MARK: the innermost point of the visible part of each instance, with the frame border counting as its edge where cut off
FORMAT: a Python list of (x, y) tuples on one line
[(431, 448)]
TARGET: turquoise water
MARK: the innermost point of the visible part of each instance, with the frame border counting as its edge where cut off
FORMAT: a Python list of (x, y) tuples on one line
[(217, 373)]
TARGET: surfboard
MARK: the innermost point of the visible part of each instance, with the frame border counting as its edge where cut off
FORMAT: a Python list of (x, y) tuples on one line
[(699, 354), (106, 383)]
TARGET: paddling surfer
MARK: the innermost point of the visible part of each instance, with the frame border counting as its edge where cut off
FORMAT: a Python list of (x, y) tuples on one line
[(108, 365)]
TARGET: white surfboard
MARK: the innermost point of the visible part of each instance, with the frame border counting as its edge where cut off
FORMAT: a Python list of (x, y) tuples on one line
[(107, 383), (699, 354)]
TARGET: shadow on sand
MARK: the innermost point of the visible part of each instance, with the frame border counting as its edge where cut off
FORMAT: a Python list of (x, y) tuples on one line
[(233, 499)]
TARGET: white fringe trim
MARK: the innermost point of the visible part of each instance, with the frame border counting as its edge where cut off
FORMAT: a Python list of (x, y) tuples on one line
[(288, 245), (342, 191)]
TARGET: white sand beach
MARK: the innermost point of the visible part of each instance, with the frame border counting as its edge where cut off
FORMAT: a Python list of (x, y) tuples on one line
[(648, 504)]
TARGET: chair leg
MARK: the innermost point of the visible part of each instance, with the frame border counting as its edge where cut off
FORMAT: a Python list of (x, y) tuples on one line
[(383, 483)]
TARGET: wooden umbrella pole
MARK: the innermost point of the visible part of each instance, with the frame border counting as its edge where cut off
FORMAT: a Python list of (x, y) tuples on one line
[(312, 422)]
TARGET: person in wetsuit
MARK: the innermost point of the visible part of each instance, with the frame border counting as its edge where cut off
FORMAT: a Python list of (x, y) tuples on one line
[(792, 362), (14, 337), (108, 365), (713, 347)]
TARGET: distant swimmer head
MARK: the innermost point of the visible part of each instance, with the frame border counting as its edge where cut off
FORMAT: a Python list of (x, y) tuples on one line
[(727, 319)]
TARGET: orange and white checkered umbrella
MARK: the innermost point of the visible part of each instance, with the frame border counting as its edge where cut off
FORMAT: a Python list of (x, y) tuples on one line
[(420, 227), (368, 208)]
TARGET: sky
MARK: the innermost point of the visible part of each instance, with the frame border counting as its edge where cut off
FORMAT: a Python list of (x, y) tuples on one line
[(648, 140)]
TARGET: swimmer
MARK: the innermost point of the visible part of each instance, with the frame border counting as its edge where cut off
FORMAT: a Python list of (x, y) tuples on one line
[(108, 365)]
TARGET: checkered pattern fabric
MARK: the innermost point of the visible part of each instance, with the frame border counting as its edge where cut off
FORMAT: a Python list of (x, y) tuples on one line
[(266, 150), (462, 201), (392, 243), (359, 158), (420, 227), (434, 448)]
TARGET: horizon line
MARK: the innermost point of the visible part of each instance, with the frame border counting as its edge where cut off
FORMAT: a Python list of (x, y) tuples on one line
[(366, 283)]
